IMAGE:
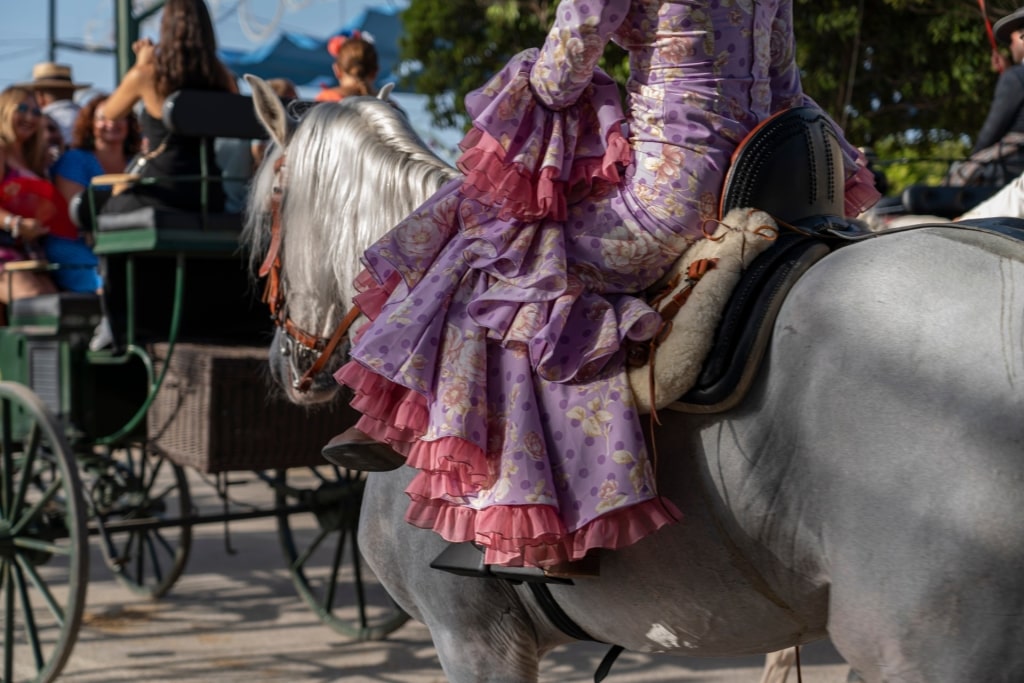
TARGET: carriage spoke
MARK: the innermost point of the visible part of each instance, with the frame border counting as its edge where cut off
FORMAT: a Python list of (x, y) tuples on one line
[(332, 582), (357, 568), (43, 546), (44, 590), (30, 621), (301, 560), (27, 467), (7, 581), (139, 559), (37, 507), (7, 491), (148, 540)]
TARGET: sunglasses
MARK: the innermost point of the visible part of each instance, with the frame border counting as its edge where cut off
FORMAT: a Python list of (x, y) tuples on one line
[(26, 109)]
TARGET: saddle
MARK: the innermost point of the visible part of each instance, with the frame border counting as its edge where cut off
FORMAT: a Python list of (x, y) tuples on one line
[(789, 167)]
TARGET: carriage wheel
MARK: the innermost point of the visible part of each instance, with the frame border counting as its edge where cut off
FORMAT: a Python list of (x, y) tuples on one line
[(44, 559), (324, 560), (141, 504)]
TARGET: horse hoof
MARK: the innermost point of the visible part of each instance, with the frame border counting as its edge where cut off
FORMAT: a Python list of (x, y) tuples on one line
[(354, 450)]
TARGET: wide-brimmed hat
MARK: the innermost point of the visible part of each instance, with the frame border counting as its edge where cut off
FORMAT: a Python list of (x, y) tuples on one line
[(53, 75), (1008, 24)]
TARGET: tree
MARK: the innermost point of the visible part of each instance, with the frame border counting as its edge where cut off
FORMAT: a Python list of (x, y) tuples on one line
[(916, 70)]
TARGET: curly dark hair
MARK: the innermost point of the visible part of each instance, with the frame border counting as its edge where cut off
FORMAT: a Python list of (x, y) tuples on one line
[(186, 56), (82, 136)]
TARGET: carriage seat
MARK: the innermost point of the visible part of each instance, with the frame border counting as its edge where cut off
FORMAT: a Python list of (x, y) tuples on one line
[(215, 116), (944, 201), (57, 314)]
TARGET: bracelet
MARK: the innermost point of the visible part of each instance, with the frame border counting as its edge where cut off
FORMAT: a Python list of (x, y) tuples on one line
[(16, 227)]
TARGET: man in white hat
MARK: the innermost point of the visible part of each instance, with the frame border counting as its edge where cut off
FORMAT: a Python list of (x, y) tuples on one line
[(54, 89)]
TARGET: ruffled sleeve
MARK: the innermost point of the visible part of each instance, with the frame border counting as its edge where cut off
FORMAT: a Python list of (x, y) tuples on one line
[(530, 161)]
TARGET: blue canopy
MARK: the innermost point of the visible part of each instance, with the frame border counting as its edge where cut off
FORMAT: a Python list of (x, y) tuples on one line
[(304, 60)]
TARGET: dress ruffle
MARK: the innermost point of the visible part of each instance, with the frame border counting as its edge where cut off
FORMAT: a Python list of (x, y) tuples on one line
[(530, 161), (533, 535)]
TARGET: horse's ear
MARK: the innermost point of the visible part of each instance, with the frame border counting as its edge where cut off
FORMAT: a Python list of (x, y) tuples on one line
[(271, 111), (385, 91)]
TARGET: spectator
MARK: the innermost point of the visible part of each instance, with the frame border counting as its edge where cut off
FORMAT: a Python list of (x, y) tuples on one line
[(54, 90), (55, 143), (186, 58), (27, 200), (29, 193), (355, 67), (284, 88), (99, 145)]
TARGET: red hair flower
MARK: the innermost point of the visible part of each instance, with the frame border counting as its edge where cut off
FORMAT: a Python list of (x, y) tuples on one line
[(335, 43)]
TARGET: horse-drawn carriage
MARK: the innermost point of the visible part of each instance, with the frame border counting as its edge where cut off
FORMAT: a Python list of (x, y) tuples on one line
[(106, 444)]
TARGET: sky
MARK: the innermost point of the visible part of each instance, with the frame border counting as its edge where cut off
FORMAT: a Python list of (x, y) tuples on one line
[(240, 24)]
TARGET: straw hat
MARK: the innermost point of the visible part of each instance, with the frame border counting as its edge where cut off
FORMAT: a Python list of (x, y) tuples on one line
[(1008, 24), (52, 75)]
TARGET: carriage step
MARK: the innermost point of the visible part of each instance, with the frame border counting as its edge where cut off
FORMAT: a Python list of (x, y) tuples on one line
[(467, 559)]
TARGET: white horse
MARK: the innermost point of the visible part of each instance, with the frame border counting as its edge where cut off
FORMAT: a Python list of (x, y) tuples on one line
[(869, 488)]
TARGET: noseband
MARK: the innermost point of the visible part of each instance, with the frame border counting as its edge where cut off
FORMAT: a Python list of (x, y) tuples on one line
[(274, 294)]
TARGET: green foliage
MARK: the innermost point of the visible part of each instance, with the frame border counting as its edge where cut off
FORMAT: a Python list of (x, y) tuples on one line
[(908, 163), (884, 69)]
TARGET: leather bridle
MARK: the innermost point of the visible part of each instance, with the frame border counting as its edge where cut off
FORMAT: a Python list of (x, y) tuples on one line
[(274, 293)]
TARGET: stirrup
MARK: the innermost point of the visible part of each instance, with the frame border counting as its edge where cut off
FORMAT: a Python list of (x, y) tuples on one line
[(354, 450), (467, 559)]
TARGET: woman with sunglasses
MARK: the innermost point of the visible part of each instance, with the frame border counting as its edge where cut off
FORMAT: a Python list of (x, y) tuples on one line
[(30, 206)]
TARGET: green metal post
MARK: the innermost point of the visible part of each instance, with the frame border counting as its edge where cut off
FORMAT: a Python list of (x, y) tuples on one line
[(128, 32)]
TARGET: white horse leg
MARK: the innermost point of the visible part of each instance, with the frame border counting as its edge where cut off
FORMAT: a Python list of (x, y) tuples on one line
[(482, 629), (503, 651), (777, 665)]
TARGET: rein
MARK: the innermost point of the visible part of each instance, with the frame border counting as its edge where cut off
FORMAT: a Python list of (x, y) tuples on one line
[(274, 296)]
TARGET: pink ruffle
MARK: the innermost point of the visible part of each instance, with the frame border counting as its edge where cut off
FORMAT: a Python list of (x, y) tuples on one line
[(533, 535), (530, 197), (462, 466), (529, 161), (861, 193), (391, 413)]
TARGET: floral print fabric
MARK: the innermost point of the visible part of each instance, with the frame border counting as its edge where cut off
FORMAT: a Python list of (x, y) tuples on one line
[(499, 310)]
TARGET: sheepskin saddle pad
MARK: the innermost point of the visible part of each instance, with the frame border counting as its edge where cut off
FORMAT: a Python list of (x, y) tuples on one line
[(718, 305)]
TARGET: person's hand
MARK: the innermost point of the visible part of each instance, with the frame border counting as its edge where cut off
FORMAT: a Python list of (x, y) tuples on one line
[(29, 229), (144, 50), (1000, 62)]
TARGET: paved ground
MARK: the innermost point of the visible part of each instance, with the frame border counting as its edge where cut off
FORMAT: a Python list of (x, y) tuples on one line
[(237, 617)]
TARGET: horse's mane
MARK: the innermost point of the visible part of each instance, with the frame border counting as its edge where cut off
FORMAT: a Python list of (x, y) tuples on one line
[(354, 169)]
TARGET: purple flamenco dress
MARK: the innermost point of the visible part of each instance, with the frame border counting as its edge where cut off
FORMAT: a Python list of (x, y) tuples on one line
[(500, 309)]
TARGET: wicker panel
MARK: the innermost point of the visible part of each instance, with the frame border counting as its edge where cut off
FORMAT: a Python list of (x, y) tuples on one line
[(215, 413)]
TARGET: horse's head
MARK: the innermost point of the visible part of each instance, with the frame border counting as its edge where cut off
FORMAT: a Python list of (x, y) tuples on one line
[(333, 181)]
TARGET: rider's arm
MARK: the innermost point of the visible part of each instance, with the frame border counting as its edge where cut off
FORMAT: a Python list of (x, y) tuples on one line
[(1007, 101), (573, 47)]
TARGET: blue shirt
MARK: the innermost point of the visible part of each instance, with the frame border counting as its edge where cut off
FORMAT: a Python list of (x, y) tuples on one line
[(77, 165)]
